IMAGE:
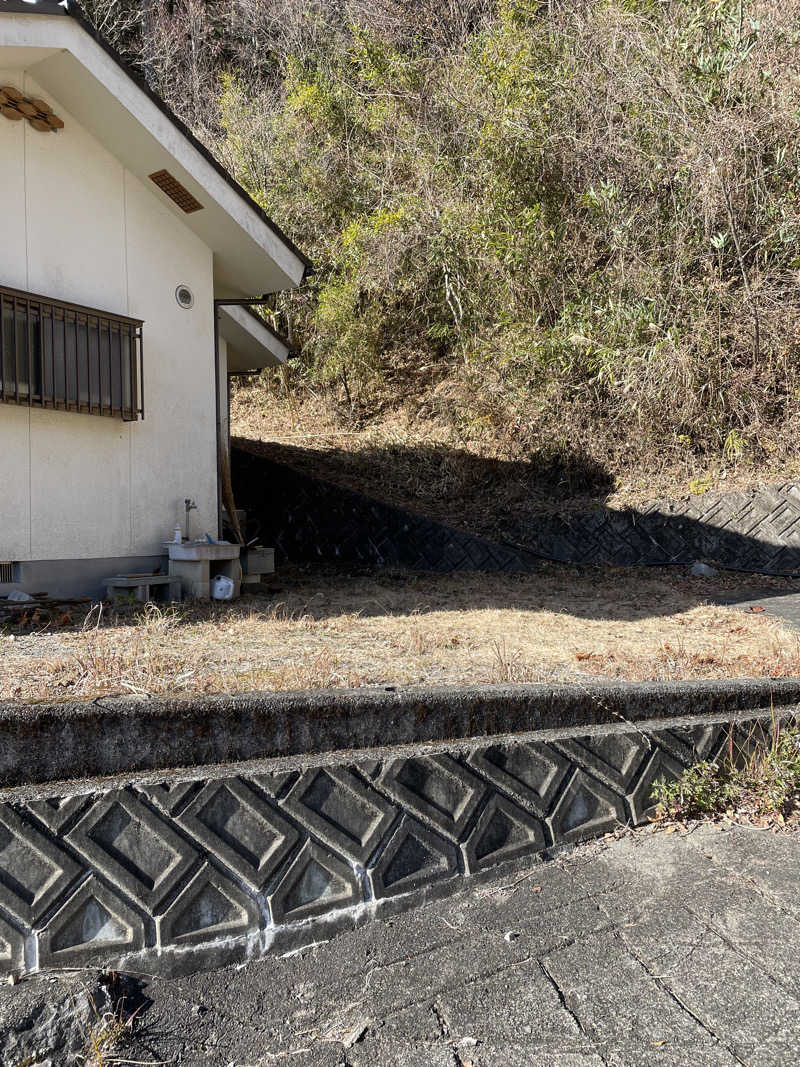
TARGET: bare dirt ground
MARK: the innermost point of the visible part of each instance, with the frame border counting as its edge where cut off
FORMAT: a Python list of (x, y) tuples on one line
[(318, 630)]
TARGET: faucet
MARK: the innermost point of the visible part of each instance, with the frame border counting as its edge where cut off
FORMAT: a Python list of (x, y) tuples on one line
[(190, 506)]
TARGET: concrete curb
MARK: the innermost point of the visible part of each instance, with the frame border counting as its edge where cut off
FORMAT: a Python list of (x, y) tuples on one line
[(106, 737)]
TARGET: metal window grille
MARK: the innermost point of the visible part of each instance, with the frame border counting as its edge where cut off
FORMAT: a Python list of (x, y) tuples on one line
[(6, 572), (69, 358)]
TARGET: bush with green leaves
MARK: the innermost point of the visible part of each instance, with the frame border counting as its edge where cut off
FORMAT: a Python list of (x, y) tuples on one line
[(763, 777)]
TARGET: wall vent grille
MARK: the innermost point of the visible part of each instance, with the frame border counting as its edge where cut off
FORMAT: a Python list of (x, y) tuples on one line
[(175, 191), (6, 572)]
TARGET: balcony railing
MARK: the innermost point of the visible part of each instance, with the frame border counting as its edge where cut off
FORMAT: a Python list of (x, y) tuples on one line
[(69, 358)]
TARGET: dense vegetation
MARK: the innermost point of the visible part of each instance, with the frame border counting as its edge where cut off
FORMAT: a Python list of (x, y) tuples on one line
[(549, 225)]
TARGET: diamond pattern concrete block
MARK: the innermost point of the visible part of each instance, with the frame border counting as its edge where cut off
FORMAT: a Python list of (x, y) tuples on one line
[(133, 848), (660, 768), (341, 810), (369, 767), (585, 809), (530, 773), (316, 882), (241, 829), (692, 743), (91, 926), (503, 832), (273, 784), (437, 789), (55, 812), (414, 857), (209, 908), (168, 796), (34, 872), (12, 948), (614, 757)]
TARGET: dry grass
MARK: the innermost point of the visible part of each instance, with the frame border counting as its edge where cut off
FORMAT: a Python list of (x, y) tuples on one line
[(321, 631)]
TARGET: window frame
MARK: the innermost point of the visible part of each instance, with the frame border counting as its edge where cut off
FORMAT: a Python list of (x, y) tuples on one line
[(63, 339)]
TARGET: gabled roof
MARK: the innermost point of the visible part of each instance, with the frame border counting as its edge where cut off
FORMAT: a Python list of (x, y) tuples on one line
[(64, 53)]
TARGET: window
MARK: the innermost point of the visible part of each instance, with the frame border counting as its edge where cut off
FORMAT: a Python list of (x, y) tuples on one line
[(70, 358)]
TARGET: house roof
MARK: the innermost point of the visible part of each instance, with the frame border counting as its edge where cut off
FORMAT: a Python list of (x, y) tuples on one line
[(64, 53), (252, 342)]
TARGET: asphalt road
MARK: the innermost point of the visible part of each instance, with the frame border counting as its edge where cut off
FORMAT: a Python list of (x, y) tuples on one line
[(655, 949)]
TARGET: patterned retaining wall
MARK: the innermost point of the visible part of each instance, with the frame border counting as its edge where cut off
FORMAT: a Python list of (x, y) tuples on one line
[(311, 520), (178, 875)]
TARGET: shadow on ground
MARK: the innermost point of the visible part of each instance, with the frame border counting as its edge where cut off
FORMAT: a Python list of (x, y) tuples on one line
[(322, 518)]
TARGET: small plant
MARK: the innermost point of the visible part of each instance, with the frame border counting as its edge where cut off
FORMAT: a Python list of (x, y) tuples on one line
[(760, 778)]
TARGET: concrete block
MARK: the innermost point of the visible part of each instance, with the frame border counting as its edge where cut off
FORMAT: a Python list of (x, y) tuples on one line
[(132, 847), (414, 857), (194, 576), (531, 773), (56, 812), (210, 908), (34, 871), (240, 829), (614, 757), (316, 882), (660, 767), (437, 789), (341, 810), (93, 924), (12, 948), (169, 796), (585, 809), (503, 832)]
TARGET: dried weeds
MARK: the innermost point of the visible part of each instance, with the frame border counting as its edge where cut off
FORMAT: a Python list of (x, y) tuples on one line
[(318, 631)]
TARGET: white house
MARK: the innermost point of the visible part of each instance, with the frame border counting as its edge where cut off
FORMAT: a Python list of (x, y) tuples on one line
[(124, 244)]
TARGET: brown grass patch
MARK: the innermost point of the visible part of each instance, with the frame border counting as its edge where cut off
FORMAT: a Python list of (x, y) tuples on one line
[(334, 630)]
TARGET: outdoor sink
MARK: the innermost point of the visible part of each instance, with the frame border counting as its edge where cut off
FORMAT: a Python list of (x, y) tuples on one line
[(200, 550)]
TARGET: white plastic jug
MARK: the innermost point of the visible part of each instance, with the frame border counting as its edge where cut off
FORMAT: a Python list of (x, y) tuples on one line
[(222, 587)]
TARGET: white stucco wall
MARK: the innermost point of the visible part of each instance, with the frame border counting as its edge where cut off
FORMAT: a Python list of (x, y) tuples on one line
[(77, 226)]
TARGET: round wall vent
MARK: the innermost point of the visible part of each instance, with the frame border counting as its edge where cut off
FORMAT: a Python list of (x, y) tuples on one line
[(184, 296)]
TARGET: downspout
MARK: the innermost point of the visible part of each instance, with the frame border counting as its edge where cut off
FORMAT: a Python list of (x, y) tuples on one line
[(218, 420)]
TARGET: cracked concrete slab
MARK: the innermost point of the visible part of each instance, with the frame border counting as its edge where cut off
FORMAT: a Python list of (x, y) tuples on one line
[(652, 950)]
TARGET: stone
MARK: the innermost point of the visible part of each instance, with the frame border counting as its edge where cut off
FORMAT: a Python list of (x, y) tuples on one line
[(702, 570)]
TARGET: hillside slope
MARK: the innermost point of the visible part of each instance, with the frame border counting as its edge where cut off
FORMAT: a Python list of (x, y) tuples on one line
[(564, 236)]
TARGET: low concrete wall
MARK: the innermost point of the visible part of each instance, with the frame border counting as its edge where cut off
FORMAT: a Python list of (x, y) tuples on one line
[(174, 874), (173, 871), (57, 742)]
